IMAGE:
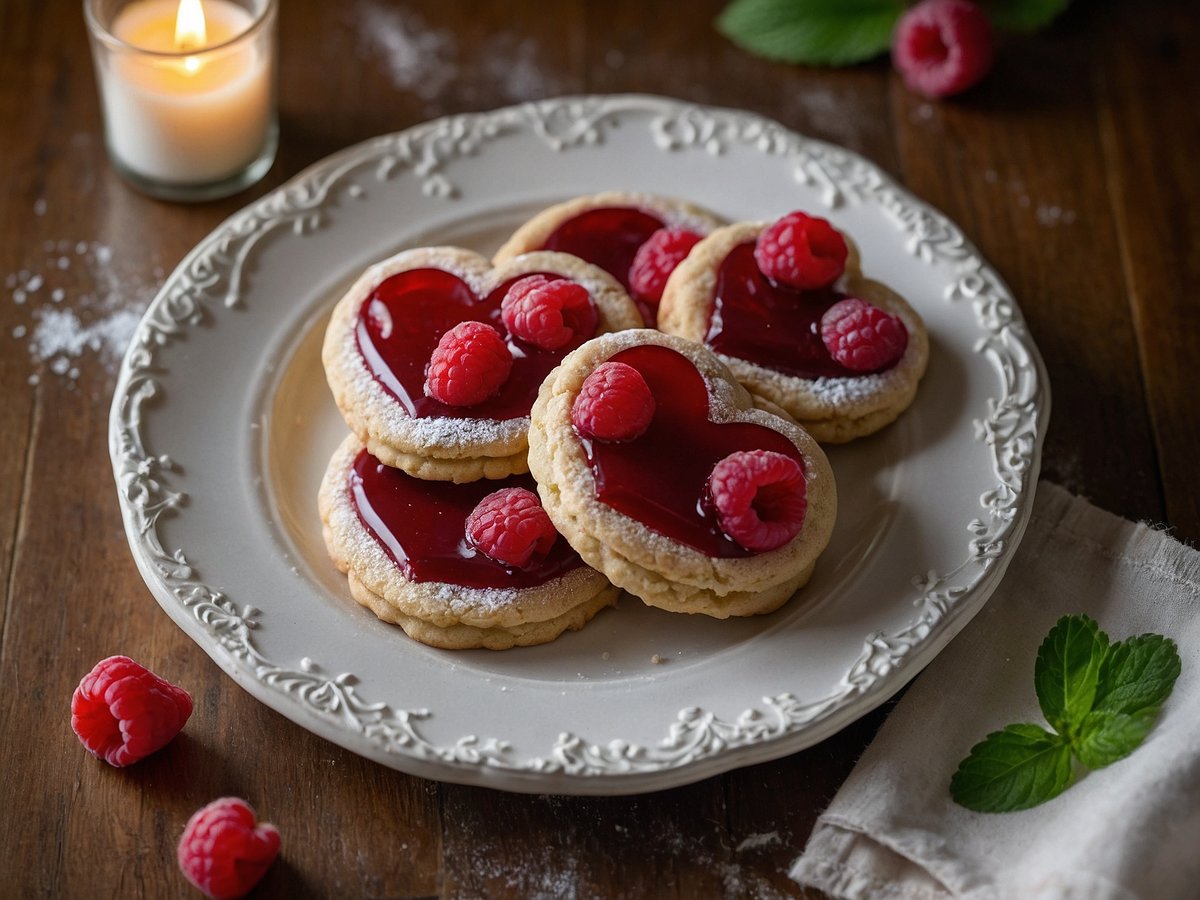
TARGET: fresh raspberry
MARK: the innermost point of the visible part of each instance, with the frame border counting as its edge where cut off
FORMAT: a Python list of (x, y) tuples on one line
[(760, 498), (943, 47), (656, 260), (123, 712), (470, 364), (224, 851), (862, 337), (801, 251), (548, 313), (510, 527), (614, 404)]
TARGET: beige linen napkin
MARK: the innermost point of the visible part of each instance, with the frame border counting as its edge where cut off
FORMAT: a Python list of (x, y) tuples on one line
[(1131, 830)]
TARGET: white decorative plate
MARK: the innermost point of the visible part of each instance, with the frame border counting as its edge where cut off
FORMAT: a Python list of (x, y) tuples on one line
[(222, 425)]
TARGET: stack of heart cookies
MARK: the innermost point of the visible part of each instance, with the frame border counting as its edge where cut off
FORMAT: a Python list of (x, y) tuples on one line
[(522, 448)]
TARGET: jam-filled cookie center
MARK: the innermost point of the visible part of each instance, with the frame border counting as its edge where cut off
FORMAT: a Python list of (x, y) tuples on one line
[(401, 321), (771, 324), (659, 478), (421, 525), (608, 237)]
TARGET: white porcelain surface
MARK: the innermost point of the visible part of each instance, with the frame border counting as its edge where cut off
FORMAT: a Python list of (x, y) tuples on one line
[(222, 424)]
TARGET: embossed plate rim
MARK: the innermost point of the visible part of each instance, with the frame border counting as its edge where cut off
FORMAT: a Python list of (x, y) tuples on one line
[(697, 743)]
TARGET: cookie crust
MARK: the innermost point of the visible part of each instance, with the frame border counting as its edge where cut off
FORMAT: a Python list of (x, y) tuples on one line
[(660, 570), (435, 447), (833, 410), (443, 615)]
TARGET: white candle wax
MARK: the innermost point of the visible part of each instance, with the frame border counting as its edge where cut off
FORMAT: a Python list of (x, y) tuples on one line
[(192, 119)]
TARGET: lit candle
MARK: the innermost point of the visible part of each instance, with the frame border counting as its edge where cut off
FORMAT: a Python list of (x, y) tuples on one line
[(188, 92)]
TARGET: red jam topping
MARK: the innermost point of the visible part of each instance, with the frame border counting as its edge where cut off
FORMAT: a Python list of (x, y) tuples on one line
[(608, 237), (768, 323), (400, 324), (421, 525), (659, 478)]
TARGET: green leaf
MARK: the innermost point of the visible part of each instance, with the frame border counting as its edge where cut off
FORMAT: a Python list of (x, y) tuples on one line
[(1138, 673), (815, 32), (1024, 15), (1016, 768), (1067, 671), (1104, 737)]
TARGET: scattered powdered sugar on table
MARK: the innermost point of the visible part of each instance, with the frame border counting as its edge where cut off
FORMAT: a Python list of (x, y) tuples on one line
[(511, 63), (754, 841), (425, 60), (1051, 215), (82, 304), (562, 872), (417, 58)]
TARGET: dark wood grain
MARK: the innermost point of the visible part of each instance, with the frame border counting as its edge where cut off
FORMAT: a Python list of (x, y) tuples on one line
[(1072, 169), (1018, 163), (1150, 129)]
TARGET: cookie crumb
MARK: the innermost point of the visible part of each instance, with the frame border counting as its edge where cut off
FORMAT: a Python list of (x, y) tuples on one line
[(657, 660)]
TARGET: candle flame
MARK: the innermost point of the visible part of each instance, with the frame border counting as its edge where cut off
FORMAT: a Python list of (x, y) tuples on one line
[(190, 30)]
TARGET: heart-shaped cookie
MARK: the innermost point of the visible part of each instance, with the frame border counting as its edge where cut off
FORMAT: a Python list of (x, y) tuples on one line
[(672, 483), (384, 333), (405, 544), (773, 336), (607, 230)]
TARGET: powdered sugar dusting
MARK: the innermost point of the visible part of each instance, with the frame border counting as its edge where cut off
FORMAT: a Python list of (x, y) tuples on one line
[(566, 870), (1050, 215), (82, 304), (757, 841), (425, 60), (417, 58)]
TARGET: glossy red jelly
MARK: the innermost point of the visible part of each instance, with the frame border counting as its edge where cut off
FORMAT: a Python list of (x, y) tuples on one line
[(401, 322), (659, 478), (421, 525), (770, 324), (608, 237)]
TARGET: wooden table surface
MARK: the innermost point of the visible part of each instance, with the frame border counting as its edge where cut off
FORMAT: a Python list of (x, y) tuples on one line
[(1073, 169)]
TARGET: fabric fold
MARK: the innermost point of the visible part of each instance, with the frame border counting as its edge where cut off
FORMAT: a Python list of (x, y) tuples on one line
[(1129, 831)]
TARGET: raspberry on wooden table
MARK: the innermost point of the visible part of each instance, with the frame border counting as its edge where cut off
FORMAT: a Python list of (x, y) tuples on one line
[(547, 312), (614, 403), (760, 497), (123, 712), (943, 47), (801, 251), (470, 364), (657, 258), (862, 337), (224, 850), (511, 527)]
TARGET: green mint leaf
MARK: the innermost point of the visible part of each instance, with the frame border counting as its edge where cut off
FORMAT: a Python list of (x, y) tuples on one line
[(1104, 737), (1024, 15), (815, 32), (1067, 671), (1016, 768), (1137, 674)]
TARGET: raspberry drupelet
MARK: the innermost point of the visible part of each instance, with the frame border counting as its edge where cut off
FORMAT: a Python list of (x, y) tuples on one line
[(548, 313), (614, 404), (470, 364), (760, 498), (862, 337), (224, 850), (511, 527), (943, 47), (656, 260), (801, 251), (123, 712)]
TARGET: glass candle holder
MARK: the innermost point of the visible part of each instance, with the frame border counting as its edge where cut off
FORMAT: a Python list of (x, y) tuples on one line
[(188, 92)]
